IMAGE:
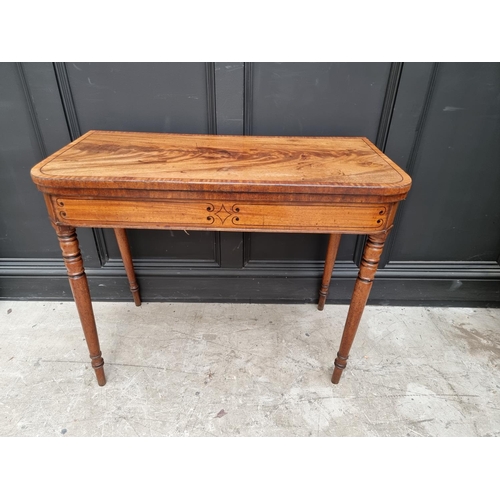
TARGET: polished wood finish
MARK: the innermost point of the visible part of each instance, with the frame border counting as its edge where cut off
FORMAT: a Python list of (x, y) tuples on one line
[(369, 263), (331, 255), (222, 215), (124, 180), (123, 245), (80, 288), (131, 160)]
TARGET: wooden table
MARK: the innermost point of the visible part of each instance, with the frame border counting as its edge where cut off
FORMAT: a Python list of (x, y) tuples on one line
[(330, 185)]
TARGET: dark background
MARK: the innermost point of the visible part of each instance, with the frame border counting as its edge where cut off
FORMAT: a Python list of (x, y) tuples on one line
[(439, 122)]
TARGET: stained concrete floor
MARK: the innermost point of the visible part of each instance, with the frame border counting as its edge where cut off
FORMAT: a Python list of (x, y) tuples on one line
[(248, 370)]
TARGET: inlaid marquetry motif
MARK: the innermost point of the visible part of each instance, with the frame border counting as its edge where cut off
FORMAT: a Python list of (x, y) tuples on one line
[(223, 215), (60, 204)]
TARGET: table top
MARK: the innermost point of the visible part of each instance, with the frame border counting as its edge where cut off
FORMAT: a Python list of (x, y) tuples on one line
[(191, 162)]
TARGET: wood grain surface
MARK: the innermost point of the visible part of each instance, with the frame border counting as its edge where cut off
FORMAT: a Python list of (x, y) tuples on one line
[(327, 165), (225, 183), (222, 216)]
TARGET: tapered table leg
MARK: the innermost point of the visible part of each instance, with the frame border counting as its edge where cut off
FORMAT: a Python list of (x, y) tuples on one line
[(369, 263), (331, 255), (121, 238), (80, 288)]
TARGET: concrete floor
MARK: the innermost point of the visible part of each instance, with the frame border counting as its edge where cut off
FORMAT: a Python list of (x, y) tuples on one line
[(248, 370)]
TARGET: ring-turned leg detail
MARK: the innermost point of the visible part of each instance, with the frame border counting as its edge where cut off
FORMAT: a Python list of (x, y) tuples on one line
[(331, 255), (369, 263), (121, 238), (340, 364), (80, 288)]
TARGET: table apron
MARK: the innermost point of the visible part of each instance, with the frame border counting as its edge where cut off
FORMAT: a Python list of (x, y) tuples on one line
[(222, 215)]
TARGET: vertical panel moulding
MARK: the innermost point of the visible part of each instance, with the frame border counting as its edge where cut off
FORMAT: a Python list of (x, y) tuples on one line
[(211, 98), (75, 132), (67, 100), (391, 93), (247, 130), (31, 110), (229, 83), (247, 98), (410, 166)]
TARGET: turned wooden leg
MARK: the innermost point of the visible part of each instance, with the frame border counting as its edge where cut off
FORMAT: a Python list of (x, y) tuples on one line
[(80, 288), (331, 255), (369, 263), (121, 237)]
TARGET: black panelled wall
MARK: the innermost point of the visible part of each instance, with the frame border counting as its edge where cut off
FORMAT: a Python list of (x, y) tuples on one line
[(440, 122)]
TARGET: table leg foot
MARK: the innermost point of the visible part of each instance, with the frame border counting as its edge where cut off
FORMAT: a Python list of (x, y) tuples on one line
[(81, 293), (123, 245), (340, 364), (369, 263), (331, 254), (98, 366)]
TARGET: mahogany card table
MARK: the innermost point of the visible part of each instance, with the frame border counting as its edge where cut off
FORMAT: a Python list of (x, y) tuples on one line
[(331, 185)]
